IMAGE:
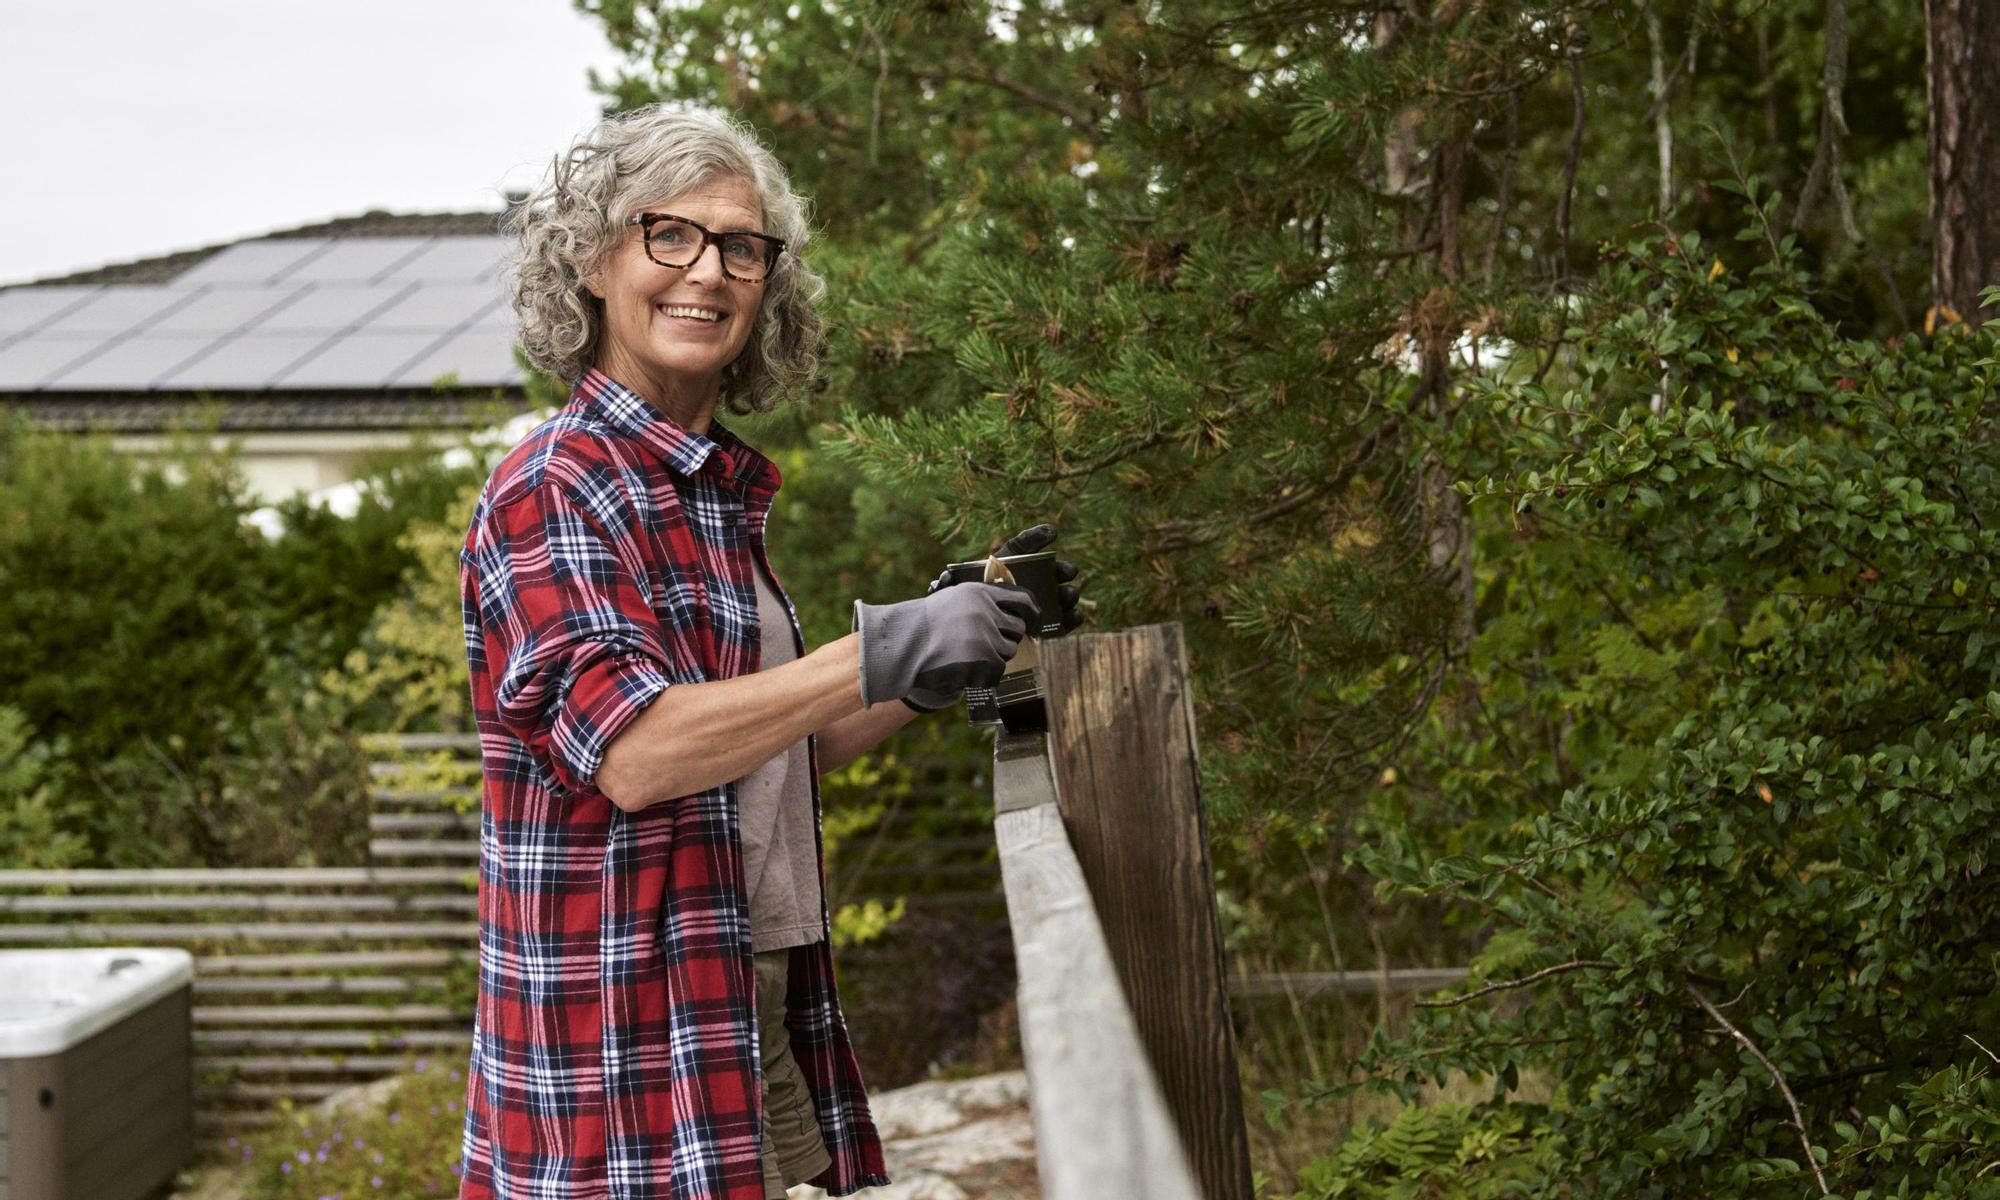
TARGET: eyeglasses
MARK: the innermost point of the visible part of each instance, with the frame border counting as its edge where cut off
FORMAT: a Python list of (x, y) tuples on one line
[(677, 242)]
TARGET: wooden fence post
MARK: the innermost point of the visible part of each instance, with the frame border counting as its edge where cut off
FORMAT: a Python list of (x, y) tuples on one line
[(1128, 782)]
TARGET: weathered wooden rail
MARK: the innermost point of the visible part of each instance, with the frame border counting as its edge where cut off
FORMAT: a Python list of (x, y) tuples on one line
[(1123, 997), (1124, 1017)]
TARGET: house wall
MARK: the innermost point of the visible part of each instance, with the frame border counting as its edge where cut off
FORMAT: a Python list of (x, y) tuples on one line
[(279, 464)]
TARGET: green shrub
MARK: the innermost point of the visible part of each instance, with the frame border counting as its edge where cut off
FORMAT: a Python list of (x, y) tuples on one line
[(1446, 1152), (39, 817), (1721, 772), (170, 655), (405, 1149)]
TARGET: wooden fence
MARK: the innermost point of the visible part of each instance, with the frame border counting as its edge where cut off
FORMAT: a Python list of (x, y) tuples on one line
[(311, 980)]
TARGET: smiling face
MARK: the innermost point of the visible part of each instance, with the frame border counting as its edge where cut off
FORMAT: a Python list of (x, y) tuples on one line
[(668, 333)]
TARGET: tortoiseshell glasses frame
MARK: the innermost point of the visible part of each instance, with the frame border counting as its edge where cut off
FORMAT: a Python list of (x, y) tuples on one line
[(763, 247)]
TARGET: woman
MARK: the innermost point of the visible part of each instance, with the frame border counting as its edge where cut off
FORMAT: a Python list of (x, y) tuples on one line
[(657, 1015)]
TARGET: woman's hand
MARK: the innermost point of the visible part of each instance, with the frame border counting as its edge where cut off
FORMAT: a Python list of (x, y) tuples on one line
[(941, 642)]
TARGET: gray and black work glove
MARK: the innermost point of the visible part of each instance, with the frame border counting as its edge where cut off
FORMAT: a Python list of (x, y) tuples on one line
[(941, 643), (1028, 541)]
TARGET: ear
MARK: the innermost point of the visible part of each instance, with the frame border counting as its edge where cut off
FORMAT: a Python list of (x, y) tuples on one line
[(593, 284)]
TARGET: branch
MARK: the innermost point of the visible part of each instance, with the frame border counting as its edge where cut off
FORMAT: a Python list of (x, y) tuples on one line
[(1826, 163), (1777, 1077), (1581, 964), (1505, 185), (1569, 170), (1086, 122), (1118, 453)]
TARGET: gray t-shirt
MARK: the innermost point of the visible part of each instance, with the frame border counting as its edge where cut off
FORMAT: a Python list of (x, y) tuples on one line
[(780, 849)]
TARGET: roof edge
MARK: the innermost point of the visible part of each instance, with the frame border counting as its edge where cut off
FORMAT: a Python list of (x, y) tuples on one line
[(163, 268)]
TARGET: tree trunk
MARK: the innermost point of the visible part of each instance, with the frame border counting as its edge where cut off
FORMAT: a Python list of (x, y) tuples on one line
[(1962, 63)]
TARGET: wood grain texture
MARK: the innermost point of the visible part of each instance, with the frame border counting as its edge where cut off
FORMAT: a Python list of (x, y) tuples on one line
[(1125, 758), (1102, 1127)]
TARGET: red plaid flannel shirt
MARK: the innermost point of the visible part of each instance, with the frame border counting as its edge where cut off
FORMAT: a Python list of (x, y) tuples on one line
[(615, 1043)]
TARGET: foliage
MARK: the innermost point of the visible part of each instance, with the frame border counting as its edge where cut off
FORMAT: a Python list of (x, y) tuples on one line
[(404, 1148), (407, 669), (1267, 307), (38, 816), (1445, 1152), (330, 575), (1755, 872), (168, 653), (129, 610)]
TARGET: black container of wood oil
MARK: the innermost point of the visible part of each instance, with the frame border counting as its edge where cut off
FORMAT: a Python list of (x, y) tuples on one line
[(1016, 701)]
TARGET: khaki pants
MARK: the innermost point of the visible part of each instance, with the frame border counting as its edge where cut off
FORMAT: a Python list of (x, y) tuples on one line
[(793, 1149)]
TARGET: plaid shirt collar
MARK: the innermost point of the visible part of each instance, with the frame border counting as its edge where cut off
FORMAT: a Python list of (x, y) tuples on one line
[(724, 455)]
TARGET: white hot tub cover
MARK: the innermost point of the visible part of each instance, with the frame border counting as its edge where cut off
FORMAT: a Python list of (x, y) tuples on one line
[(51, 1000)]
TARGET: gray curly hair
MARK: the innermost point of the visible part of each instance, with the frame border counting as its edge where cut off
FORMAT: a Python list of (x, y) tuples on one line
[(563, 229)]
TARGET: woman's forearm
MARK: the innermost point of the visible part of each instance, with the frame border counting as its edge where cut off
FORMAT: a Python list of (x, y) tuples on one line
[(696, 736), (856, 734)]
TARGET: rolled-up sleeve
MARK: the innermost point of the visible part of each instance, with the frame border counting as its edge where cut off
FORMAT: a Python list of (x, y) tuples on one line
[(571, 636)]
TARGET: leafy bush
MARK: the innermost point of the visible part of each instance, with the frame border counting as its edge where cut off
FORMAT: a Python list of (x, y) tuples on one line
[(1446, 1152), (1737, 835), (404, 1148), (169, 654), (38, 816), (406, 671), (330, 575)]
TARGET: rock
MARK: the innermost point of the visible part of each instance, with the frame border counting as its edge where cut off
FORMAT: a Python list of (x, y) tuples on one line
[(362, 1097), (954, 1140), (210, 1183)]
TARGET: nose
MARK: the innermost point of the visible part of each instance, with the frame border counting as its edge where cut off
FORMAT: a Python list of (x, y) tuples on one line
[(706, 267)]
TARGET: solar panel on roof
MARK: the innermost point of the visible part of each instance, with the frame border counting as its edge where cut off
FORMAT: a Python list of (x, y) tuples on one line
[(28, 362), (224, 309), (358, 360), (355, 260), (21, 309), (130, 363), (251, 361), (252, 262), (478, 357), (116, 310), (435, 306), (499, 316), (331, 307), (453, 260)]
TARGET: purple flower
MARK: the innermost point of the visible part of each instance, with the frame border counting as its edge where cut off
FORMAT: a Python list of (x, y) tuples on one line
[(395, 1118), (285, 1168), (375, 1181), (304, 1157)]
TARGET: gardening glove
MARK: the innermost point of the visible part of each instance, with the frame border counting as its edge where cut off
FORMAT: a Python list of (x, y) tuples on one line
[(942, 642), (1028, 541)]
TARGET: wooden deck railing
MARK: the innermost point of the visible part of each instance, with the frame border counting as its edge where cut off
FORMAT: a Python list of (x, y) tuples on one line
[(1124, 1018), (1123, 999)]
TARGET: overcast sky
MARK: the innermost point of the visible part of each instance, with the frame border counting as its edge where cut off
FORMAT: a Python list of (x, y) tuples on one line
[(135, 127)]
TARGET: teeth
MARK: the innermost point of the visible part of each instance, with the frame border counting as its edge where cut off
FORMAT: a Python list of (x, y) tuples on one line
[(676, 310)]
